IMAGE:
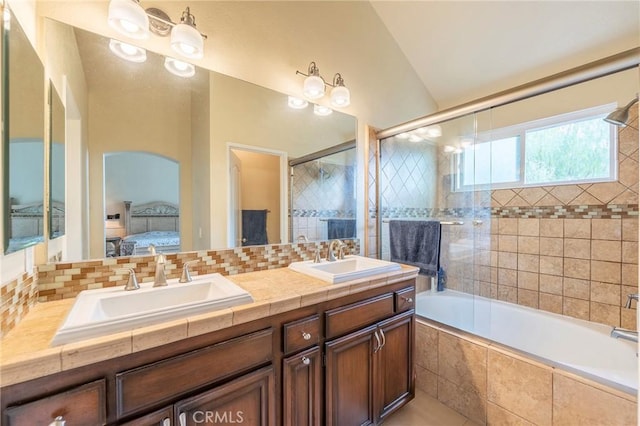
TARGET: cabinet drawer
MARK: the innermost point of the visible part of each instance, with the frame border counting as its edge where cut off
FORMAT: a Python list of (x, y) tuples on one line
[(301, 334), (84, 405), (352, 317), (405, 299), (161, 417), (154, 384)]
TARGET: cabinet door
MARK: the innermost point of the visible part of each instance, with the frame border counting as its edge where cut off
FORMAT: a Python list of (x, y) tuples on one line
[(349, 379), (84, 405), (161, 417), (248, 400), (394, 377), (302, 388)]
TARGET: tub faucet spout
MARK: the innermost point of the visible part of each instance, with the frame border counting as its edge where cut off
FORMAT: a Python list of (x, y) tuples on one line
[(631, 297), (623, 333)]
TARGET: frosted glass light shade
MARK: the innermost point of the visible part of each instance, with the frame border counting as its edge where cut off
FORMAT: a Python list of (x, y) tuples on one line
[(187, 41), (128, 18), (127, 51), (179, 68), (313, 87), (297, 103), (322, 110), (340, 97)]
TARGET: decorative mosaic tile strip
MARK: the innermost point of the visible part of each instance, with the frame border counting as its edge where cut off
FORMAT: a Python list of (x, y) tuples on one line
[(17, 297), (605, 211), (322, 213), (414, 212), (65, 280)]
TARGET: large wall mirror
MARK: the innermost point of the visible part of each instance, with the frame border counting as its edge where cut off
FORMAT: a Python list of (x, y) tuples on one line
[(23, 139), (56, 164), (193, 122)]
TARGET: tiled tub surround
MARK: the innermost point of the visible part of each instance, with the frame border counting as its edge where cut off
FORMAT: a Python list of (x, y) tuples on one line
[(26, 353), (491, 384), (57, 281)]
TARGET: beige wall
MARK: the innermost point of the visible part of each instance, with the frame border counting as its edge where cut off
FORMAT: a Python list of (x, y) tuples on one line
[(260, 188)]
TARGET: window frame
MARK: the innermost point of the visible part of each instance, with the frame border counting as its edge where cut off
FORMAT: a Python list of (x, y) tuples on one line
[(520, 130)]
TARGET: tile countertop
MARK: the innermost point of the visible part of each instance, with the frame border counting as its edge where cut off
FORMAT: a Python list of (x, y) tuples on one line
[(25, 352)]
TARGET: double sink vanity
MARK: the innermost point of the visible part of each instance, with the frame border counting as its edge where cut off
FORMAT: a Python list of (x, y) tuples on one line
[(315, 343)]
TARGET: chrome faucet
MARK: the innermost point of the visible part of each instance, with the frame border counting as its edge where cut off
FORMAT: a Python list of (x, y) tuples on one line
[(132, 282), (160, 277), (302, 238), (631, 297), (186, 275), (623, 333), (330, 256)]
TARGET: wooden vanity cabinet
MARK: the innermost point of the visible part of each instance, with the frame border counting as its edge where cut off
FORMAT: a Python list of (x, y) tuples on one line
[(302, 388), (370, 372), (346, 361)]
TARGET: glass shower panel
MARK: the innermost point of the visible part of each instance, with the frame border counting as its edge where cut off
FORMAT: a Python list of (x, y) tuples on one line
[(323, 198), (420, 178)]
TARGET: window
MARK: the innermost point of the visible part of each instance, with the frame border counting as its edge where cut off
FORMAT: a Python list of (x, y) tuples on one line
[(568, 148)]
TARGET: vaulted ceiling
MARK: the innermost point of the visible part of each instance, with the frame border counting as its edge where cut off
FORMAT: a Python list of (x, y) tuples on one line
[(401, 59)]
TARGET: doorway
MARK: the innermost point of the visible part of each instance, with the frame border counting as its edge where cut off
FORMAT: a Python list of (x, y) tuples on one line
[(257, 193)]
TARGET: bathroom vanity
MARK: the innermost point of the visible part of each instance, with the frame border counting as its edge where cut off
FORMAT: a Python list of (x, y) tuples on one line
[(334, 354)]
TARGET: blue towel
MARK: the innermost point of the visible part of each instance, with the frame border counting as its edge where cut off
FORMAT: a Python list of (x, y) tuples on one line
[(341, 228), (254, 227), (416, 243)]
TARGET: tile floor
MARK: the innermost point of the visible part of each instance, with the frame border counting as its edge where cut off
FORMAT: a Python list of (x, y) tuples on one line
[(426, 411)]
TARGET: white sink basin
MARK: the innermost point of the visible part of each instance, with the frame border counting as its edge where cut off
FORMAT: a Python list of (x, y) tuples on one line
[(109, 310), (349, 268)]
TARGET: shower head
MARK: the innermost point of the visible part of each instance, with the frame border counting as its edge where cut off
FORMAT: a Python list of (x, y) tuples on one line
[(620, 116)]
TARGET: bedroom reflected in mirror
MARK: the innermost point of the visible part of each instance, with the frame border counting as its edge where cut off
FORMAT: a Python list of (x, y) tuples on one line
[(142, 200), (23, 109), (56, 165)]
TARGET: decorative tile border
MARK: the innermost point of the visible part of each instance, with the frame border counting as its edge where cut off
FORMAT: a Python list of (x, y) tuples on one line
[(65, 280), (322, 213), (602, 211), (415, 212), (16, 297)]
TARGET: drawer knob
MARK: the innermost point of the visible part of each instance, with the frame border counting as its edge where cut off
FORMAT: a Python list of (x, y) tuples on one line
[(305, 360), (408, 299), (58, 421), (306, 336)]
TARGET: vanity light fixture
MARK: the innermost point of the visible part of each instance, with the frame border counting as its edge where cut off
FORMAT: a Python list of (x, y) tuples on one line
[(321, 110), (128, 17), (314, 87), (297, 103), (179, 68), (186, 39), (127, 51)]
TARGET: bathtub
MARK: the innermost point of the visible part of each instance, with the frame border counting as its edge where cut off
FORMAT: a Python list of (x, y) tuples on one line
[(578, 346)]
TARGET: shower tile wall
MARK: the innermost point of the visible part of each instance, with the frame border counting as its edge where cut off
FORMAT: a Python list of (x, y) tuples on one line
[(568, 249), (320, 191), (408, 172)]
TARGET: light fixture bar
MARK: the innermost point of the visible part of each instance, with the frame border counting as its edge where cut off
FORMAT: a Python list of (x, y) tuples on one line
[(153, 14)]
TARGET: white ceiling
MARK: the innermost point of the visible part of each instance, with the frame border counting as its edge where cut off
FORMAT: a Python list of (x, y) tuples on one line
[(400, 59), (463, 50)]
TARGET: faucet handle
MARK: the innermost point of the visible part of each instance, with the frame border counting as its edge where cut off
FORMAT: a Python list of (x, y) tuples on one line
[(631, 297), (186, 275), (317, 259)]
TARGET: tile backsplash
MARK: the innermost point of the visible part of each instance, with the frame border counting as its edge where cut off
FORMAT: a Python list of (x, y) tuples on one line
[(56, 281)]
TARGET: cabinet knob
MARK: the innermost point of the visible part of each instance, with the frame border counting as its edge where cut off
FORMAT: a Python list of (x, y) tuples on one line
[(306, 336), (58, 421), (166, 421), (305, 360), (408, 299)]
